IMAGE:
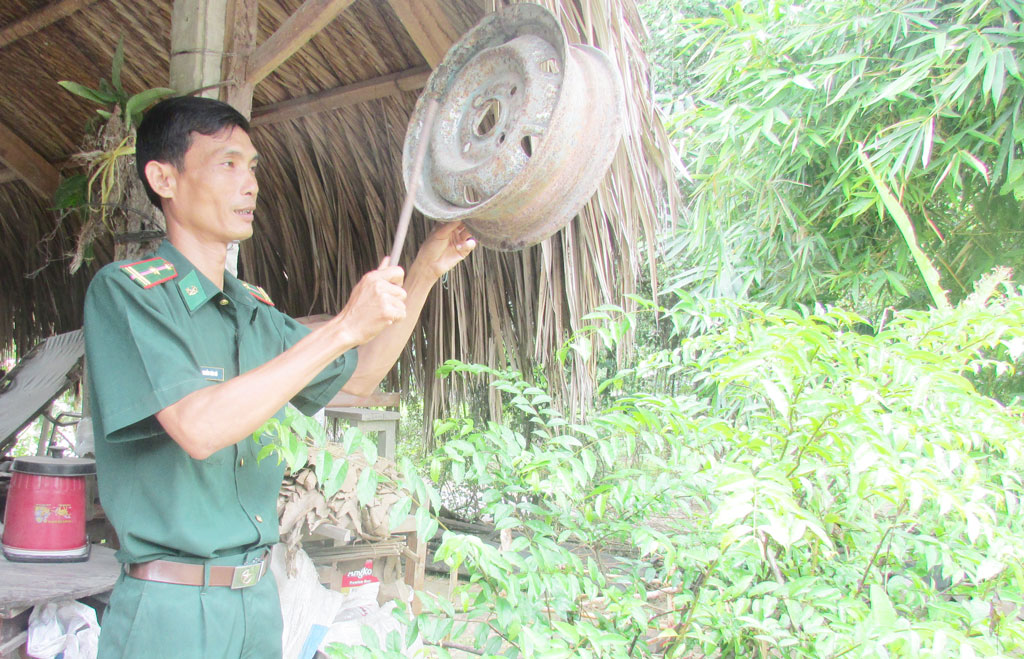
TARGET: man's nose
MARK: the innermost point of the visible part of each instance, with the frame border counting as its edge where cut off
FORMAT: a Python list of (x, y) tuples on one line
[(250, 186)]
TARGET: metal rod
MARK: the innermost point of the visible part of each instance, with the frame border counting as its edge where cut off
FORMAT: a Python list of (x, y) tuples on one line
[(414, 179)]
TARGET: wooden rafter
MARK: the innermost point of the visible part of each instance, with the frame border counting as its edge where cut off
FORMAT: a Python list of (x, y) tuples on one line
[(339, 97), (24, 161), (299, 28), (37, 20), (429, 26), (240, 41)]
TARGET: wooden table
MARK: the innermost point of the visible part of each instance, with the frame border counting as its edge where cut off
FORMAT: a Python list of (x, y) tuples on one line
[(24, 585), (331, 547), (357, 411)]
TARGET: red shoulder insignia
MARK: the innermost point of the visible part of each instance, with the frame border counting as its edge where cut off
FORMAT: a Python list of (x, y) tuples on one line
[(257, 293), (150, 272)]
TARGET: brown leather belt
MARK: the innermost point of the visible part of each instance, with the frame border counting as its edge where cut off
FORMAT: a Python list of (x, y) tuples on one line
[(191, 574)]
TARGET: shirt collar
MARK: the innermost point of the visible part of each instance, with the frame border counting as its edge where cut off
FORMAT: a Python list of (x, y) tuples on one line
[(195, 288)]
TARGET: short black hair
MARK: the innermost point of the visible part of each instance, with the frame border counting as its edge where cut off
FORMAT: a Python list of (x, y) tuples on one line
[(165, 133)]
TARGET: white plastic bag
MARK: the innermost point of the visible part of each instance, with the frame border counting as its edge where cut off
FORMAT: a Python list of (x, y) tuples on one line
[(85, 443), (304, 602), (67, 626), (314, 616), (353, 624)]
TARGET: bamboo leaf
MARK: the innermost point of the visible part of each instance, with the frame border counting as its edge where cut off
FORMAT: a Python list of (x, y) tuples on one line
[(928, 271), (976, 163), (804, 81), (1013, 175), (892, 90), (929, 137), (999, 77), (1010, 61)]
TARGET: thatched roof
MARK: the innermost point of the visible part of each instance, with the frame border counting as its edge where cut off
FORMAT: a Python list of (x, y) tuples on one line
[(331, 185)]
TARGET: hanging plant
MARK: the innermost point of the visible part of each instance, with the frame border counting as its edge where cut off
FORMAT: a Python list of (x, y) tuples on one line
[(109, 195)]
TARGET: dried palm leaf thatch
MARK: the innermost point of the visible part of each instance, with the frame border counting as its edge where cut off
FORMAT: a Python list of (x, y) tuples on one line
[(39, 297)]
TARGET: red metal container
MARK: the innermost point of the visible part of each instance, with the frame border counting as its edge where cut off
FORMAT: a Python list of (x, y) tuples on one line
[(45, 517)]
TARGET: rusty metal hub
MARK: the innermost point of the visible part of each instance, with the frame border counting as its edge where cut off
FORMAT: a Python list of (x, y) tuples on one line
[(527, 127)]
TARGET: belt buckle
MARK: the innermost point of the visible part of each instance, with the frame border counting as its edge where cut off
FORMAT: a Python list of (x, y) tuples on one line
[(245, 576)]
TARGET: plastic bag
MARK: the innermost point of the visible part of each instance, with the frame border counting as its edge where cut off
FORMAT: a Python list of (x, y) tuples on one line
[(315, 617), (67, 626)]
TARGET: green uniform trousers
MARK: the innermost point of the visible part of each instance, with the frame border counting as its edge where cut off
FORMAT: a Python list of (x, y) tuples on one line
[(151, 620)]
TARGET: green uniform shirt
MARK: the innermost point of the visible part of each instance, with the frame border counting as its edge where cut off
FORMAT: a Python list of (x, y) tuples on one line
[(148, 348)]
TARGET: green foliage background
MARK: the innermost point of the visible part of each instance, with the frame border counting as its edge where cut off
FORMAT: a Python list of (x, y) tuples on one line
[(810, 488), (771, 104)]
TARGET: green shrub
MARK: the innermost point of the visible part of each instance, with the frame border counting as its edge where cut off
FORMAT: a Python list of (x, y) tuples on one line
[(786, 485)]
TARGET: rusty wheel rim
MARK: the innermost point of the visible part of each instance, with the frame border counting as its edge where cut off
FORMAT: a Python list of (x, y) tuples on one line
[(527, 127)]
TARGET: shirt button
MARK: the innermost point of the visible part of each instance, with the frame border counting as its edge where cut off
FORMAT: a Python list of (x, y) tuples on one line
[(259, 519), (223, 302), (241, 462)]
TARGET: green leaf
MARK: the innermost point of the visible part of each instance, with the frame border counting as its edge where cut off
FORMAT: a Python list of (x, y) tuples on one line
[(929, 137), (426, 525), (804, 81), (777, 396), (928, 271), (892, 90), (264, 452), (976, 163), (583, 346), (1013, 176), (336, 478), (366, 486), (93, 95), (399, 512), (882, 611), (72, 192), (137, 104)]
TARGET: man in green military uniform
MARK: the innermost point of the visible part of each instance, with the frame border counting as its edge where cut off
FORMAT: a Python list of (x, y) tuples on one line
[(185, 363)]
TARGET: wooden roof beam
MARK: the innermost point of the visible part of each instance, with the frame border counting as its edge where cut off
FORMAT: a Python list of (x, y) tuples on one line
[(24, 161), (343, 96), (429, 26), (37, 20), (240, 41), (299, 28)]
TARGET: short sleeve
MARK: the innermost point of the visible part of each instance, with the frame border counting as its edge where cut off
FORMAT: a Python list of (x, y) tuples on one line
[(328, 382), (139, 363)]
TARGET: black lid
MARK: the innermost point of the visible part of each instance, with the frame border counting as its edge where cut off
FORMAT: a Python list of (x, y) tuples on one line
[(54, 466)]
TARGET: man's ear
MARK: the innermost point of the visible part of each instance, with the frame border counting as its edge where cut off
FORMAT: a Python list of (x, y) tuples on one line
[(162, 177)]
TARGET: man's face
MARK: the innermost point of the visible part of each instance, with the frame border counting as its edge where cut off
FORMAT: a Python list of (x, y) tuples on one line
[(215, 194)]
